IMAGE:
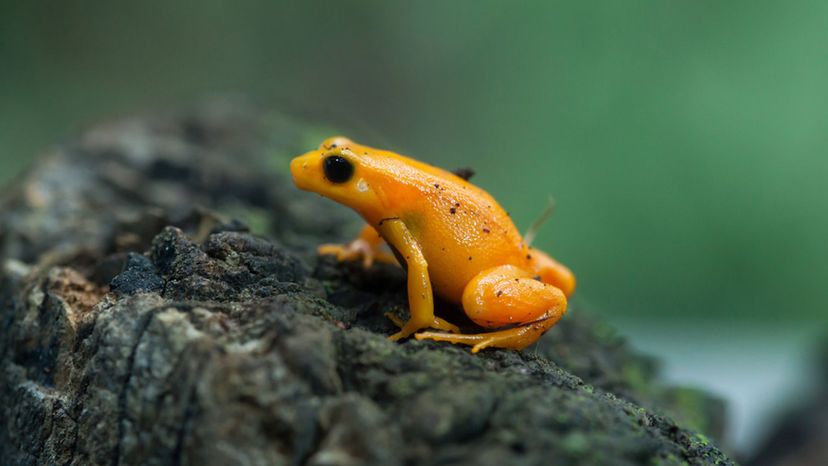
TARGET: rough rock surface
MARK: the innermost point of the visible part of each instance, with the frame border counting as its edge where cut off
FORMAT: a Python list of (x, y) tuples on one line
[(140, 323)]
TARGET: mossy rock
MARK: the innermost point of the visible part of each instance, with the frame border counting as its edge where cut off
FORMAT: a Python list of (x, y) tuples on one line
[(143, 322)]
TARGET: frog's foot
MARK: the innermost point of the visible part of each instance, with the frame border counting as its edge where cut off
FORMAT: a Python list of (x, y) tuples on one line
[(367, 246), (516, 338), (356, 250), (437, 323)]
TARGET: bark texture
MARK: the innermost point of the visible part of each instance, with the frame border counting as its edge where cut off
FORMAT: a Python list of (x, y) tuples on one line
[(161, 303)]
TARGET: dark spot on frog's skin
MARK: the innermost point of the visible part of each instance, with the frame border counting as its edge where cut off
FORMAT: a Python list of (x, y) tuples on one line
[(470, 258), (529, 256), (436, 185), (466, 173), (456, 204), (499, 293), (453, 210), (486, 230), (538, 277), (517, 279)]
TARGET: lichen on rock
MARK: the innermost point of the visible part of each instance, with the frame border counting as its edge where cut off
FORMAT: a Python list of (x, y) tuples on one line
[(144, 323)]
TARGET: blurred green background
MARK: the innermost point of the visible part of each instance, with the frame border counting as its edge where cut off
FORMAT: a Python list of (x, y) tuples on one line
[(686, 143)]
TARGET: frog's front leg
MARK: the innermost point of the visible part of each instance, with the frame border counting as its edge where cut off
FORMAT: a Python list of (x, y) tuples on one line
[(367, 246), (420, 296), (506, 296)]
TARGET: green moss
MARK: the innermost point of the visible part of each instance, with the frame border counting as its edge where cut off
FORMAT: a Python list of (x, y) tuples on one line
[(668, 460), (693, 408), (575, 443), (637, 377), (409, 385), (699, 440)]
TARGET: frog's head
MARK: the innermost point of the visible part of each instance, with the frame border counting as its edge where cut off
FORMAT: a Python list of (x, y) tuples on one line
[(337, 170)]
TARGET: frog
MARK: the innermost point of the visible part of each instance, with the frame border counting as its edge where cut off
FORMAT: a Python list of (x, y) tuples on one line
[(452, 238)]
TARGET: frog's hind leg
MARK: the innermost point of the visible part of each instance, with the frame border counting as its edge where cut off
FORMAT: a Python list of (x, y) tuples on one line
[(516, 338), (553, 272), (506, 296)]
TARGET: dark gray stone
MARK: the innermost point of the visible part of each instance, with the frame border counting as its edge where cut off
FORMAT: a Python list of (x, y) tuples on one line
[(138, 275)]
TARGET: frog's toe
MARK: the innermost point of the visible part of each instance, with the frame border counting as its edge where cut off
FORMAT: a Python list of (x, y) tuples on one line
[(356, 250), (395, 319), (397, 336), (406, 328), (480, 346), (476, 341), (442, 324), (438, 323), (455, 338), (342, 253)]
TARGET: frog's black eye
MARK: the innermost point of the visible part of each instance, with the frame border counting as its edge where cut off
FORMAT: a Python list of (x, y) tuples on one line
[(337, 169)]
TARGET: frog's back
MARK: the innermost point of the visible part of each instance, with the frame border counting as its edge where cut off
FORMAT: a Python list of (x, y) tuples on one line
[(461, 229)]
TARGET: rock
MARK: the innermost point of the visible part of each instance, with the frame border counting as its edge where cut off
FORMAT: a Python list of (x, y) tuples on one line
[(799, 435), (162, 304), (139, 275)]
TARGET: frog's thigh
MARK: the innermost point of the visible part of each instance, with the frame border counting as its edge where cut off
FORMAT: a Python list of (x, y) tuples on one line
[(503, 296), (508, 295)]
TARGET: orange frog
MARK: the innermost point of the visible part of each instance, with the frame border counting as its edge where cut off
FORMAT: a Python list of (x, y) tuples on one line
[(450, 235)]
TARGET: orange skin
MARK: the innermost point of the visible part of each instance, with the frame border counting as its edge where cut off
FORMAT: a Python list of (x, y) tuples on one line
[(453, 237)]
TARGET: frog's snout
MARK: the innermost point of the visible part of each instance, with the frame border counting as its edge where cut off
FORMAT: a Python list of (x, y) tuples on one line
[(300, 169)]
